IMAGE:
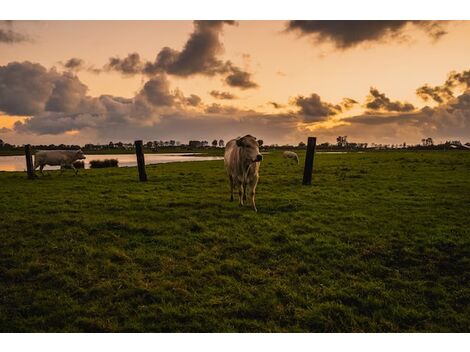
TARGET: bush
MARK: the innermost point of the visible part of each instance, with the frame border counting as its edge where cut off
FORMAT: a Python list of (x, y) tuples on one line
[(97, 164), (79, 164)]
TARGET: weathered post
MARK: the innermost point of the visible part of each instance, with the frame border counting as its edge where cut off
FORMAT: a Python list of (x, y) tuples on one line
[(139, 152), (29, 161), (308, 168)]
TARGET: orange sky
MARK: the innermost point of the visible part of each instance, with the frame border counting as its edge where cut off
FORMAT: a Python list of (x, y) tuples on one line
[(283, 65)]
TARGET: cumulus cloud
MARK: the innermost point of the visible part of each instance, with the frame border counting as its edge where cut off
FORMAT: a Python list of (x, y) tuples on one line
[(9, 36), (240, 79), (74, 64), (348, 34), (25, 88), (313, 109), (157, 91), (193, 100), (199, 56), (222, 95), (130, 65), (379, 101), (445, 92)]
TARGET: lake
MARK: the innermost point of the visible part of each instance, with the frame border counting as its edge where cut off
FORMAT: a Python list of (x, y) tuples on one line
[(18, 163)]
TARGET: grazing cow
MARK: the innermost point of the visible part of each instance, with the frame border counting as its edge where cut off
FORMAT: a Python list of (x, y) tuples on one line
[(241, 160), (64, 158), (291, 155)]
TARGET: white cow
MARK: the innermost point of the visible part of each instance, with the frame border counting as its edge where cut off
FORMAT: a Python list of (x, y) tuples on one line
[(242, 159), (62, 158), (291, 155)]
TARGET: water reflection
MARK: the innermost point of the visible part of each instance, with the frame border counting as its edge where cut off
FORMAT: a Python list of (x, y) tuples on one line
[(18, 163)]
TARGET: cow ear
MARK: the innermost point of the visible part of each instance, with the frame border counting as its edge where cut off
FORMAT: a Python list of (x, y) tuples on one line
[(239, 142)]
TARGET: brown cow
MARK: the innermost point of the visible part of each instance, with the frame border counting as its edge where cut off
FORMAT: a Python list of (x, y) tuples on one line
[(242, 159)]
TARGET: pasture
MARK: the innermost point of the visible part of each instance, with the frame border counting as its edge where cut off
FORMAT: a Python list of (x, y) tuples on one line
[(379, 243)]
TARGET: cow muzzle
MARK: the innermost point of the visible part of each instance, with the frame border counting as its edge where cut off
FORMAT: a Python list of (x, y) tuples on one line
[(259, 157)]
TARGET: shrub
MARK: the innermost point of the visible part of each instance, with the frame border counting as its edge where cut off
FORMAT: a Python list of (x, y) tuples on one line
[(97, 164)]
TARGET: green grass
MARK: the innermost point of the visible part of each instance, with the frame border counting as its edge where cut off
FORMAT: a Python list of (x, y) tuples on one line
[(379, 242)]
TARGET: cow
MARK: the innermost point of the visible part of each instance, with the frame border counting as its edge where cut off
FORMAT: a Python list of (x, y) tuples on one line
[(242, 160), (291, 155), (64, 158)]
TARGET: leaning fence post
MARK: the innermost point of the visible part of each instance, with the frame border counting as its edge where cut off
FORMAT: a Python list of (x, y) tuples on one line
[(29, 161), (308, 168), (139, 152)]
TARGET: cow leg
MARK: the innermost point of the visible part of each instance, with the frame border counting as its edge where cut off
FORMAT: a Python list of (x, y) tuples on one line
[(231, 188), (62, 167), (253, 194), (74, 169), (241, 193), (244, 192), (40, 169)]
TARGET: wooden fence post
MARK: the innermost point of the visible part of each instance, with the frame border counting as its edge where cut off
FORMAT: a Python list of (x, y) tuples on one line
[(308, 168), (139, 152), (29, 161)]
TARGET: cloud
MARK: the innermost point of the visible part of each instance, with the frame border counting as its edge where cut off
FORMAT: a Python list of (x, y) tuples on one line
[(193, 100), (130, 65), (157, 91), (313, 109), (199, 54), (5, 130), (379, 101), (8, 36), (276, 105), (348, 34), (25, 88), (240, 79), (222, 95), (74, 64), (221, 109), (445, 92)]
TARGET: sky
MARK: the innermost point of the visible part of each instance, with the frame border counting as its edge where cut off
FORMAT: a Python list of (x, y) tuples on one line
[(388, 82)]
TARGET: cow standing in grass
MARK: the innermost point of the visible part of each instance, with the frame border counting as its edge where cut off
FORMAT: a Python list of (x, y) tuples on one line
[(291, 155), (62, 158), (242, 159)]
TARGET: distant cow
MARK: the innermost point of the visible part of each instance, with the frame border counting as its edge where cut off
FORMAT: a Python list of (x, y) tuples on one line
[(62, 158), (291, 155), (241, 160)]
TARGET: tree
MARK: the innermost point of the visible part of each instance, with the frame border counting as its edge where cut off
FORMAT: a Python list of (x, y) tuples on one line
[(301, 145), (260, 142), (111, 144), (221, 143), (214, 143)]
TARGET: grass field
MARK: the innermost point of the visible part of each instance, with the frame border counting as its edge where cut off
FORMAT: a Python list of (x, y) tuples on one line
[(379, 242)]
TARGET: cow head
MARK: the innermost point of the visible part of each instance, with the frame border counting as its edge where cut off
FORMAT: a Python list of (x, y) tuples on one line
[(80, 155), (250, 148)]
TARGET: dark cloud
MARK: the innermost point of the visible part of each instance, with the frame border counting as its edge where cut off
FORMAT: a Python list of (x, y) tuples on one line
[(157, 91), (348, 103), (240, 79), (9, 36), (276, 105), (130, 65), (314, 109), (445, 92), (74, 64), (221, 109), (68, 94), (199, 54), (379, 101), (25, 88), (222, 95), (347, 34), (193, 100)]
